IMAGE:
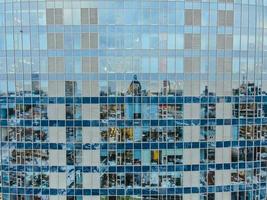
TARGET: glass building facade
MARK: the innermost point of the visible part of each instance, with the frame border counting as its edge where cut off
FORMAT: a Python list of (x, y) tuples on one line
[(133, 99)]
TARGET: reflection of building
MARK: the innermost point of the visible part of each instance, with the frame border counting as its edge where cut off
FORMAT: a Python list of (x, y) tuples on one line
[(247, 88), (206, 92), (248, 107), (135, 87), (166, 89), (208, 109), (133, 109)]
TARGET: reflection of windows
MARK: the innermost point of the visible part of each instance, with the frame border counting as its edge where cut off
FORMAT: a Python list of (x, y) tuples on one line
[(103, 111), (242, 154), (264, 132), (137, 180), (112, 158), (70, 157), (234, 153), (70, 88), (241, 176), (168, 179), (35, 87), (30, 111), (73, 134), (245, 154), (170, 134), (247, 110), (29, 157), (145, 134), (145, 179), (44, 111), (156, 157), (129, 134), (172, 157), (78, 179), (40, 180), (234, 176), (207, 155), (128, 157), (208, 110), (207, 133), (207, 178), (104, 157), (70, 177), (211, 155), (170, 111), (120, 157), (154, 135), (11, 111), (73, 111), (249, 132), (112, 134), (78, 157), (74, 157), (103, 133), (211, 177), (129, 179), (120, 180), (109, 180), (263, 153), (124, 157), (173, 87), (112, 111)]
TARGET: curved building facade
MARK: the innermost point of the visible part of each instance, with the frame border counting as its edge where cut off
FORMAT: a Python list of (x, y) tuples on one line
[(133, 99)]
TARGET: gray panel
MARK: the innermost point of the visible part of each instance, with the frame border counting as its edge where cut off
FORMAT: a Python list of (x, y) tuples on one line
[(85, 40), (93, 16), (93, 40), (50, 41), (59, 41), (94, 64), (85, 16), (58, 16), (50, 16)]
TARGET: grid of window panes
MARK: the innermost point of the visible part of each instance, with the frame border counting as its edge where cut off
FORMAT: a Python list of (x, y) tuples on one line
[(133, 99)]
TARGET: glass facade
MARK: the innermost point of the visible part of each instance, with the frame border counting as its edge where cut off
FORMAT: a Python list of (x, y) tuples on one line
[(133, 99)]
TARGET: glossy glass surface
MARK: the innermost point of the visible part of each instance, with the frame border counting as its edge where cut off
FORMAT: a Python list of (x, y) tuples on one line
[(140, 99)]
